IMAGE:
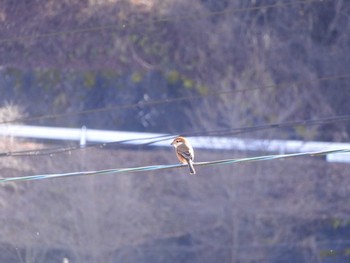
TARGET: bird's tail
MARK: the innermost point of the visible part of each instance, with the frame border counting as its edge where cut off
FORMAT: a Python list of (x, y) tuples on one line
[(190, 165)]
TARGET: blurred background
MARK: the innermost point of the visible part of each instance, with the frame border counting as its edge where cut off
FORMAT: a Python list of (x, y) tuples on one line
[(247, 69)]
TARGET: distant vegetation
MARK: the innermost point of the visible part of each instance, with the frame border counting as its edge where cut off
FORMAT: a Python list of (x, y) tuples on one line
[(128, 63), (89, 54)]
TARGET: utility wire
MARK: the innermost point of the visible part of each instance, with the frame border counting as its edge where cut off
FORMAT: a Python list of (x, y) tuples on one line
[(123, 24), (65, 149), (171, 166), (178, 99), (155, 139), (236, 131)]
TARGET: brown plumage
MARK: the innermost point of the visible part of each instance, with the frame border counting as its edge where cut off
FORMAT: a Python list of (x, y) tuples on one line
[(184, 152)]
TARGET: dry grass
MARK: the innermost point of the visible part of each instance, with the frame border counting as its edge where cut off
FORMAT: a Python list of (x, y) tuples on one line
[(225, 209)]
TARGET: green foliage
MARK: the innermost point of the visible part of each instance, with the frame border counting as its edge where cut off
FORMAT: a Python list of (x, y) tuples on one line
[(329, 253), (347, 252), (48, 78), (202, 89), (89, 79), (336, 223), (136, 77), (335, 253), (187, 83), (305, 132), (173, 76)]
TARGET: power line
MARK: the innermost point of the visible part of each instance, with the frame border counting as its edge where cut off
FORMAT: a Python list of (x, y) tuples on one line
[(155, 139), (309, 122), (171, 166), (178, 99), (124, 24), (65, 149)]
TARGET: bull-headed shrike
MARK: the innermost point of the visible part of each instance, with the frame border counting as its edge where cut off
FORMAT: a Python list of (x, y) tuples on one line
[(184, 152)]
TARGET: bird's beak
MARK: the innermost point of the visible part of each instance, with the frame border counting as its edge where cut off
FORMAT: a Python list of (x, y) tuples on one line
[(172, 143)]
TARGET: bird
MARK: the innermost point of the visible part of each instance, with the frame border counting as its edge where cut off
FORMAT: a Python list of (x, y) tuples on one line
[(184, 152)]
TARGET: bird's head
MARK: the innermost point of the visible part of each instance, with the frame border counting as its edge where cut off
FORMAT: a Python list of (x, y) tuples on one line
[(178, 141)]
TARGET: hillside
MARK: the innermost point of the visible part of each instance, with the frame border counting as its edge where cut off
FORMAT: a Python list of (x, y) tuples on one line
[(268, 69), (84, 55)]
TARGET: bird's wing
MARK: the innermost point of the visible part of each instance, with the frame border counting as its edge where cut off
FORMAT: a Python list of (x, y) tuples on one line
[(185, 153)]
